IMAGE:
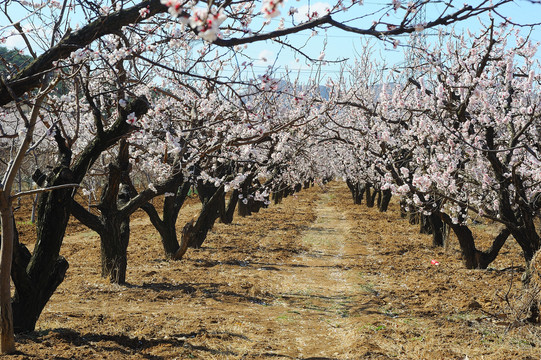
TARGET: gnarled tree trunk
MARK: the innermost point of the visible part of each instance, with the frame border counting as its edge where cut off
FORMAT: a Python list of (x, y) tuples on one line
[(226, 216), (114, 249), (473, 258), (210, 211), (166, 226), (37, 276), (385, 200), (245, 204)]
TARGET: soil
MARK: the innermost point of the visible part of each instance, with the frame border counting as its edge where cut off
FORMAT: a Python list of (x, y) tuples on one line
[(315, 277)]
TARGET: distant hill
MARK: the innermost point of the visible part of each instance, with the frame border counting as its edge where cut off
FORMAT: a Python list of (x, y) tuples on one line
[(12, 61)]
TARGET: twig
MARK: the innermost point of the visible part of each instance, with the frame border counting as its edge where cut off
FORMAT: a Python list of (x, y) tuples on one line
[(37, 191)]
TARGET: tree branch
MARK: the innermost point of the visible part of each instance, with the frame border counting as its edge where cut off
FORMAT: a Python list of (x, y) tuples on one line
[(40, 190), (29, 78)]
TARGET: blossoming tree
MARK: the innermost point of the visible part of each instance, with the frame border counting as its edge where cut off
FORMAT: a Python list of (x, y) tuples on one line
[(71, 41)]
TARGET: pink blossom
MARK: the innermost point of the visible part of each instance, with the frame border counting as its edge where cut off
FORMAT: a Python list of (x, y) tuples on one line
[(270, 8), (131, 118)]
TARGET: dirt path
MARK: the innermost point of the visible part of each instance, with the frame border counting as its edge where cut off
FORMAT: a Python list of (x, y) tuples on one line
[(316, 288), (315, 277)]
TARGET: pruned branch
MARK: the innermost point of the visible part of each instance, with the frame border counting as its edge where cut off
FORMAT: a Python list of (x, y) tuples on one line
[(40, 190)]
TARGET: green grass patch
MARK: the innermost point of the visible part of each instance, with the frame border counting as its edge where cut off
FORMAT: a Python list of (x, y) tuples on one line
[(369, 288), (375, 328), (27, 222)]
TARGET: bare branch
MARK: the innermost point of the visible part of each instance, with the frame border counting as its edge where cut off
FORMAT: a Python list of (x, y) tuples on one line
[(41, 190)]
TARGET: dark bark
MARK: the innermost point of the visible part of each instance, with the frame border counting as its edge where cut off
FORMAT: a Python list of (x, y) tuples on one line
[(385, 200), (403, 207), (226, 216), (352, 187), (25, 310), (413, 217), (255, 206), (287, 191), (378, 198), (473, 258), (112, 225), (519, 221), (528, 239), (115, 234), (210, 196), (246, 203), (357, 191), (440, 230), (277, 196), (359, 195), (37, 277), (114, 249), (116, 207), (166, 227), (424, 224), (370, 195)]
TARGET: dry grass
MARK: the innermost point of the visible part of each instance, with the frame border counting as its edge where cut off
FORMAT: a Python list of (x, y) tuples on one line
[(315, 276)]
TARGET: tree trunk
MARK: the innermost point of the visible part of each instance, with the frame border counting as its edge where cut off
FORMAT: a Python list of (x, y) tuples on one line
[(403, 206), (37, 277), (169, 238), (205, 222), (526, 236), (424, 224), (413, 216), (385, 200), (227, 215), (32, 295), (166, 227), (287, 191), (255, 206), (207, 217), (185, 241), (473, 258), (359, 195), (114, 247), (440, 230), (7, 340), (277, 196), (244, 206), (370, 196), (352, 189)]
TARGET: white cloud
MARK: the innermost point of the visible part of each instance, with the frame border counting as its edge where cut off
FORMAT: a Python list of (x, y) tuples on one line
[(15, 41), (316, 10), (265, 56)]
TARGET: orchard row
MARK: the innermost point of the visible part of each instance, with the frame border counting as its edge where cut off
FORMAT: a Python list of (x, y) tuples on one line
[(133, 104)]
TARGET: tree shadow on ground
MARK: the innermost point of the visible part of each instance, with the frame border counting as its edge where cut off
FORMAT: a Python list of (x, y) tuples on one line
[(217, 291), (123, 344)]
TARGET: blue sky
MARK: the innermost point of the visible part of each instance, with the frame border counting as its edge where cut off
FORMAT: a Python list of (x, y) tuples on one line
[(339, 45), (342, 45)]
